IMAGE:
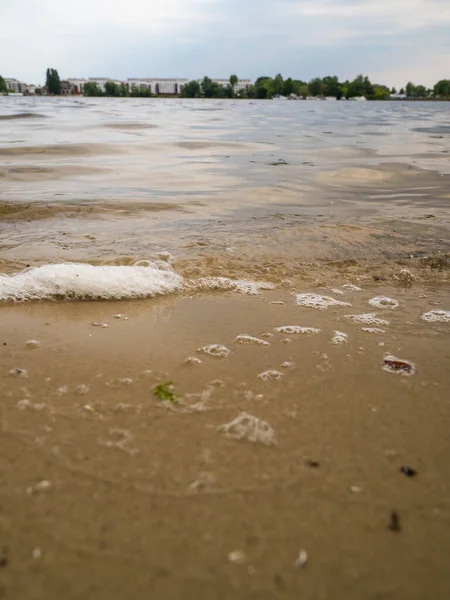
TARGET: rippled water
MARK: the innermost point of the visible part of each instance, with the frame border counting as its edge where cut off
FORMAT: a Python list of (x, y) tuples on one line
[(114, 181)]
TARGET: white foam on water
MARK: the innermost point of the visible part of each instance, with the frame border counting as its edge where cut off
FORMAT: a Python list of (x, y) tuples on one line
[(296, 330), (337, 291), (216, 350), (367, 319), (82, 281), (392, 364), (270, 375), (318, 302), (248, 339), (249, 428), (375, 330), (436, 316), (243, 286), (339, 337), (384, 302)]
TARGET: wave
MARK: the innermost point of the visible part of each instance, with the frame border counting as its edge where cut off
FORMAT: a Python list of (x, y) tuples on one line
[(88, 282), (144, 279)]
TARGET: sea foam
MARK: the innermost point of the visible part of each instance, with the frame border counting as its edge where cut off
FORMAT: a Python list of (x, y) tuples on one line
[(83, 281)]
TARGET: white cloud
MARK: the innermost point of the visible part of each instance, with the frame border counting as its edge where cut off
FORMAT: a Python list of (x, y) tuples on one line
[(394, 16)]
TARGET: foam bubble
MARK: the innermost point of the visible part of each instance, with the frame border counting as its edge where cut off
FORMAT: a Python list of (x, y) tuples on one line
[(27, 405), (384, 302), (192, 360), (288, 364), (352, 287), (270, 375), (216, 350), (250, 428), (318, 302), (248, 339), (32, 344), (121, 317), (296, 329), (339, 337), (244, 286), (375, 330), (436, 316), (80, 281), (337, 291), (367, 319), (392, 364), (82, 389)]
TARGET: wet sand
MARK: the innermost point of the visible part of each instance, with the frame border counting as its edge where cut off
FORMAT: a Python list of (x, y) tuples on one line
[(245, 215), (149, 497)]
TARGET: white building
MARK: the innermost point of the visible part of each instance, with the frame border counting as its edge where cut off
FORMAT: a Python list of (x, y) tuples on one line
[(242, 84), (100, 81), (158, 85), (78, 84), (15, 85)]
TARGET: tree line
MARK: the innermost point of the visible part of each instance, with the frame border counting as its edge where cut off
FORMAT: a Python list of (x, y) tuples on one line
[(330, 86), (263, 88)]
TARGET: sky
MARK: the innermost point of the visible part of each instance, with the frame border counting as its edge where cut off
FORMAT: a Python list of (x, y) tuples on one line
[(392, 41)]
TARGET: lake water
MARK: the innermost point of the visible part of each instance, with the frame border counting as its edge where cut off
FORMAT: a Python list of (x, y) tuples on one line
[(284, 266)]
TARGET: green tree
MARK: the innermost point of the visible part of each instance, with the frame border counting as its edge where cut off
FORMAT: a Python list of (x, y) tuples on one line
[(251, 92), (191, 90), (53, 82), (410, 89), (111, 89), (332, 86), (234, 80), (288, 87), (91, 89), (421, 91), (276, 86), (316, 87), (380, 92), (393, 91), (402, 91), (262, 85), (442, 88), (38, 91), (3, 86), (304, 91)]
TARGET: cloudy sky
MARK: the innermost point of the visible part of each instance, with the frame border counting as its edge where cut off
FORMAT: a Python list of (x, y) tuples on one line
[(392, 41)]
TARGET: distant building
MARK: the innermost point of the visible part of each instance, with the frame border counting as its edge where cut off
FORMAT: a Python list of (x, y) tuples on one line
[(14, 85), (77, 85), (242, 84), (100, 81), (67, 89), (165, 86), (156, 85)]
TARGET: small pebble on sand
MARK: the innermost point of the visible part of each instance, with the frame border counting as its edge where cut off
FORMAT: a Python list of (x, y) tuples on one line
[(237, 557), (302, 559)]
